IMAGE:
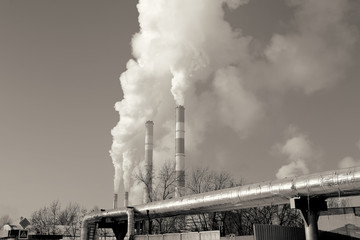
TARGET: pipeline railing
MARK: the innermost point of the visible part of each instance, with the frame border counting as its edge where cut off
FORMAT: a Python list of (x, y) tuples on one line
[(343, 182)]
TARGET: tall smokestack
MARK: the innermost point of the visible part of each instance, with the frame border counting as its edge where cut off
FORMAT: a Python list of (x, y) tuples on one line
[(149, 133), (180, 151), (115, 201), (126, 199)]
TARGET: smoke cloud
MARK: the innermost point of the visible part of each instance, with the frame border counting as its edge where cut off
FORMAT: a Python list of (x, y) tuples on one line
[(347, 162), (187, 54), (175, 57), (299, 152), (318, 53)]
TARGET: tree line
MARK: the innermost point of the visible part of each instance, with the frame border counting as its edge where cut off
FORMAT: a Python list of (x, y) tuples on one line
[(238, 222), (55, 219)]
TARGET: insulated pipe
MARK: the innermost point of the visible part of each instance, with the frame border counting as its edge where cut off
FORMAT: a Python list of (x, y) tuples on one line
[(180, 151), (115, 201), (149, 133), (130, 223), (345, 182)]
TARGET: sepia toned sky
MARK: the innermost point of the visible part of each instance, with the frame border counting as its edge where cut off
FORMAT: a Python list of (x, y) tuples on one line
[(296, 110)]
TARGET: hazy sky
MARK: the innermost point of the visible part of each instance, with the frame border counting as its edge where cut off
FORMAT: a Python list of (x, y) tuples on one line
[(60, 62)]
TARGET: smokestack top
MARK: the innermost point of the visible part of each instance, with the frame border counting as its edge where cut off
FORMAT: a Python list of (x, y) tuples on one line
[(180, 113), (115, 201), (126, 199), (149, 122)]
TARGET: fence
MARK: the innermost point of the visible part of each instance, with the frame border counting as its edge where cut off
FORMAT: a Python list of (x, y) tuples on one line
[(208, 235), (233, 237), (275, 232)]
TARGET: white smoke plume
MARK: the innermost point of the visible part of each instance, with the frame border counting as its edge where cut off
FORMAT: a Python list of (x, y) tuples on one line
[(347, 162), (186, 53), (175, 55), (315, 54), (299, 152)]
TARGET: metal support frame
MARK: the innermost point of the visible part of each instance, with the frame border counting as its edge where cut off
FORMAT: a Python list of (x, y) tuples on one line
[(310, 209), (314, 186), (119, 230)]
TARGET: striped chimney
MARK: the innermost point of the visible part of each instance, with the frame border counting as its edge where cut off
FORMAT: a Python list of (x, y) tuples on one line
[(149, 133), (180, 151), (126, 199), (115, 201)]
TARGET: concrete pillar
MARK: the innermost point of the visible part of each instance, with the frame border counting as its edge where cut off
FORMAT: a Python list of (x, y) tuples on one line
[(311, 228), (310, 209), (119, 230)]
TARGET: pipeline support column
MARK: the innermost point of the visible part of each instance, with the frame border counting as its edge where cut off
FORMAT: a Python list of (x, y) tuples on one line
[(310, 210)]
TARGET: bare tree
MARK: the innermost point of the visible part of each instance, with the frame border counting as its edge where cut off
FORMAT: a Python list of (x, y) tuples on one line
[(200, 181), (5, 219), (141, 177), (47, 220), (289, 217), (71, 218), (163, 188), (203, 180), (239, 222), (234, 223), (40, 221), (164, 184), (53, 216), (166, 180)]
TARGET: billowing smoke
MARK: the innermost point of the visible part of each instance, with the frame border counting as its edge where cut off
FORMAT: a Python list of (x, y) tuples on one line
[(317, 54), (187, 54), (176, 56), (347, 162), (299, 152)]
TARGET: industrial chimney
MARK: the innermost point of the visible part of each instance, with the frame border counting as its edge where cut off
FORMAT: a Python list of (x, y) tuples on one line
[(149, 133), (180, 151), (126, 199), (115, 201)]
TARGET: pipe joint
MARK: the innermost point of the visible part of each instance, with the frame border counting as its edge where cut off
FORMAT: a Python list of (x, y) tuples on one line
[(130, 223)]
